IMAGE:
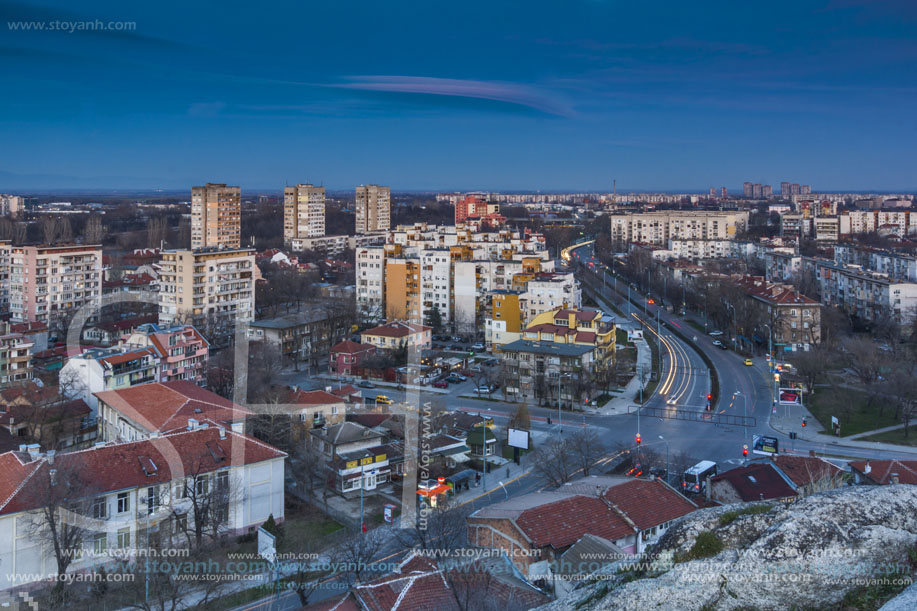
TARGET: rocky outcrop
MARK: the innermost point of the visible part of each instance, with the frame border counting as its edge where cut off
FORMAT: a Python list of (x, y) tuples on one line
[(807, 555)]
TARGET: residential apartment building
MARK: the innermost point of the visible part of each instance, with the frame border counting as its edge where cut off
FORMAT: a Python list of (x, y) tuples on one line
[(303, 338), (158, 408), (394, 335), (182, 350), (568, 326), (867, 295), (135, 497), (216, 216), (15, 356), (794, 320), (660, 227), (99, 369), (303, 213), (474, 207), (373, 209), (827, 228), (542, 371), (209, 287), (49, 283), (11, 205), (335, 245)]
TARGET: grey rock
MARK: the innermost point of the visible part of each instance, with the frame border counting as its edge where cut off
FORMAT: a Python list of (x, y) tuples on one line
[(806, 555)]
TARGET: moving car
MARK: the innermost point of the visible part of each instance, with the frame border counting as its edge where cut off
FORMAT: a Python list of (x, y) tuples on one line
[(723, 346), (748, 362), (715, 333), (383, 400), (441, 383), (717, 343), (366, 384), (671, 401)]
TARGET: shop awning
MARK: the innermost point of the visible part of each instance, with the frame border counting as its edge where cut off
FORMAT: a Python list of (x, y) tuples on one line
[(441, 489)]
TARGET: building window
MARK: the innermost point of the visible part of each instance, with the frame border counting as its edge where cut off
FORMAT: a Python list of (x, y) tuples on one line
[(99, 508), (124, 502), (124, 538), (100, 544), (152, 499)]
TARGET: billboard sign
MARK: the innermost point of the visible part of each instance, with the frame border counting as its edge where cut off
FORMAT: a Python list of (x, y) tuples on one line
[(519, 438), (766, 446), (790, 396), (266, 546), (634, 335)]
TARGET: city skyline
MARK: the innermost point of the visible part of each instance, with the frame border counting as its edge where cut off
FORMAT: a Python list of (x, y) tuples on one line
[(486, 98)]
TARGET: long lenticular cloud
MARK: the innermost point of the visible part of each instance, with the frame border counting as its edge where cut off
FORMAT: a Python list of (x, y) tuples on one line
[(485, 90)]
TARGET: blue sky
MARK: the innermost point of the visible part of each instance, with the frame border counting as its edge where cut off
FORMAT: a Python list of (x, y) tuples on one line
[(462, 95)]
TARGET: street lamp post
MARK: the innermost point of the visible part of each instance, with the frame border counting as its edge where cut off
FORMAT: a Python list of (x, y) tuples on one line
[(666, 458), (735, 325), (770, 353), (559, 418), (745, 419), (362, 484)]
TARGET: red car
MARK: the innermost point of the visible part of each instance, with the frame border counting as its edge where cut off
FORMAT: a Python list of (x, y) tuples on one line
[(441, 384)]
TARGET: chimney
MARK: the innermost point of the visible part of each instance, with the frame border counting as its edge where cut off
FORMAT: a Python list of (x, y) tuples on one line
[(192, 424), (222, 433), (868, 468), (52, 474), (23, 447), (894, 478), (34, 450), (51, 454)]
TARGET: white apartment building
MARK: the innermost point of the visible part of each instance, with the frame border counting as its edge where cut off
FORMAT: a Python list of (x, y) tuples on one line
[(550, 291), (11, 205), (100, 369), (216, 216), (15, 356), (131, 497), (867, 295), (660, 227), (697, 250), (781, 266), (827, 228), (373, 208), (201, 285), (303, 213), (334, 245), (49, 283), (370, 278)]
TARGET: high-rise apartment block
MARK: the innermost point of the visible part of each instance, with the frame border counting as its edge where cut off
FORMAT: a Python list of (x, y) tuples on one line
[(50, 283), (11, 205), (207, 287), (373, 208), (789, 189), (754, 190), (216, 216), (303, 214)]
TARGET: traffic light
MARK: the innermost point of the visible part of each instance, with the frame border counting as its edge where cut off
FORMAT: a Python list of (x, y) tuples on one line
[(709, 406), (803, 423), (638, 439), (709, 396), (745, 450)]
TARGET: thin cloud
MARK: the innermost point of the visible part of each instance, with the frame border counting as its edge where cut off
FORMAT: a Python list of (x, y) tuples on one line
[(510, 93)]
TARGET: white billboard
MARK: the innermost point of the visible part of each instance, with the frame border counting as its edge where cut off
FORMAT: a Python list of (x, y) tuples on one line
[(634, 335), (519, 438)]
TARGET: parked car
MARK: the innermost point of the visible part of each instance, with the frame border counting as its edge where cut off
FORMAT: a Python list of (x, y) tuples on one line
[(383, 400), (457, 338), (723, 346), (477, 347), (441, 383), (456, 348), (717, 343), (715, 333), (484, 390), (460, 377), (366, 384)]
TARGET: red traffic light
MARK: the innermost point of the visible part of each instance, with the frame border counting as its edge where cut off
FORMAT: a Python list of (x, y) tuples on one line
[(363, 527), (638, 439), (709, 396), (745, 451), (803, 422)]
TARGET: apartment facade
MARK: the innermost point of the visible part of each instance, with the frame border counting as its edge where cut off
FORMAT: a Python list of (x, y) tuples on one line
[(660, 227), (794, 319), (212, 284), (303, 213), (536, 370), (373, 208), (100, 369), (182, 350), (49, 283), (11, 205), (15, 356), (304, 338), (216, 216)]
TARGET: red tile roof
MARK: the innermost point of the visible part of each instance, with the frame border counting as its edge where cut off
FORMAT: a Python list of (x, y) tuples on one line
[(28, 327), (585, 337), (160, 339), (349, 347), (756, 482), (561, 524), (880, 471), (126, 357), (24, 482), (649, 503), (166, 406), (312, 397), (805, 470), (397, 329)]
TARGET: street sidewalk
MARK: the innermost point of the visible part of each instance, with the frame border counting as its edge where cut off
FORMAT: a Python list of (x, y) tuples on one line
[(787, 419), (625, 399)]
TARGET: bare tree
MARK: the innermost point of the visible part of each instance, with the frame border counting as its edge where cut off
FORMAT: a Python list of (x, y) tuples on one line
[(358, 553), (521, 418), (442, 528), (554, 461), (307, 467), (202, 502), (585, 449), (50, 228), (93, 232)]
